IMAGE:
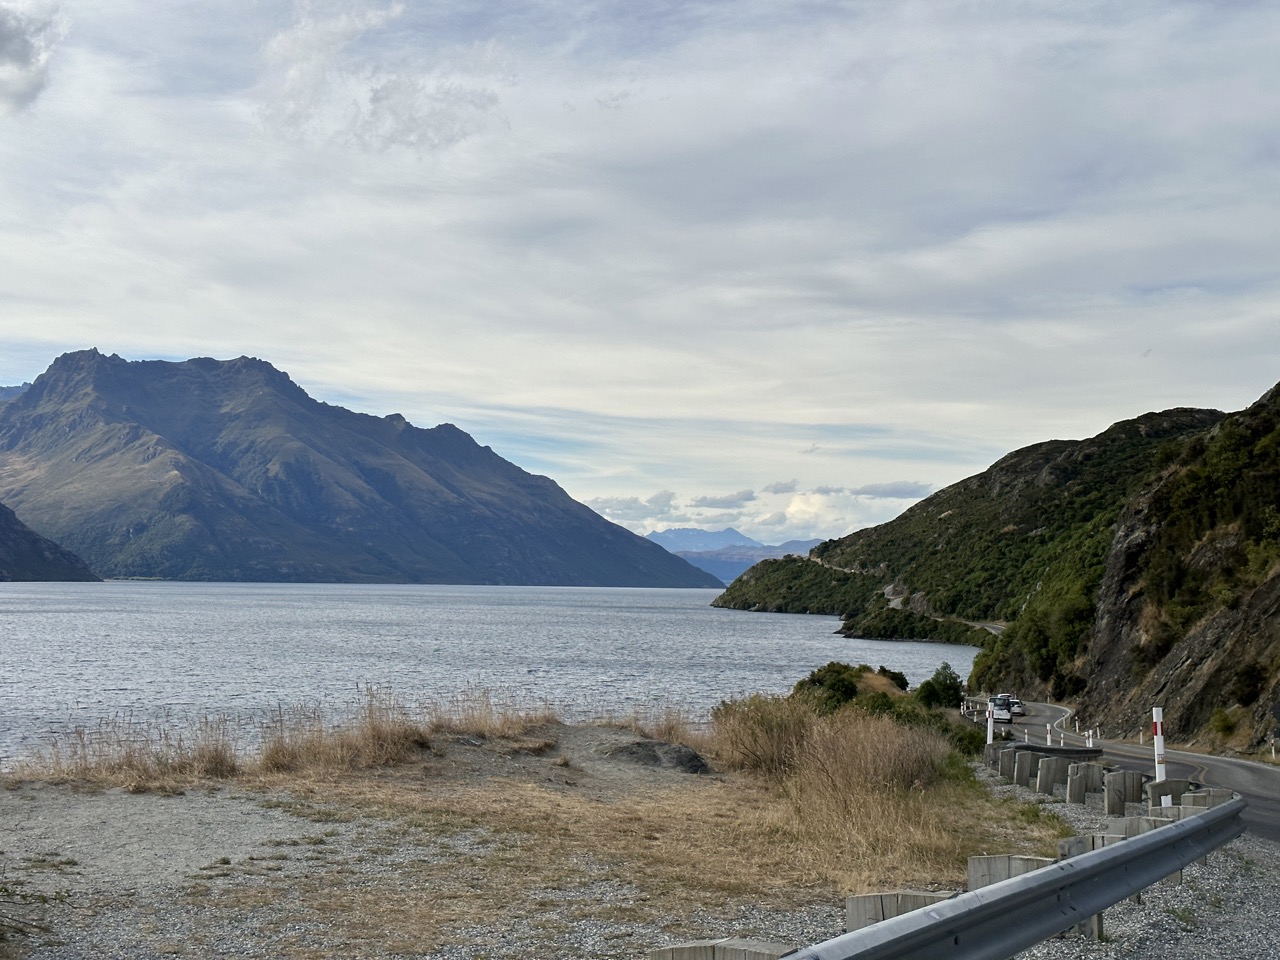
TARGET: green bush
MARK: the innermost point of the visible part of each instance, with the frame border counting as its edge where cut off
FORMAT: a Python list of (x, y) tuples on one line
[(943, 689), (1222, 723), (897, 677), (832, 686)]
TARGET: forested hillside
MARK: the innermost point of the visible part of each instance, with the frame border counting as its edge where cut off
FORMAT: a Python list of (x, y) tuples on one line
[(1090, 569)]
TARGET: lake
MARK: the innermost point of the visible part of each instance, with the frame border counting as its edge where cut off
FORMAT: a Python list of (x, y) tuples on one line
[(79, 654)]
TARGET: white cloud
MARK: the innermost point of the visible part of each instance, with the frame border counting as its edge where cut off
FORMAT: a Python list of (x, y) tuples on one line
[(28, 32), (899, 490), (726, 501), (663, 247), (332, 80)]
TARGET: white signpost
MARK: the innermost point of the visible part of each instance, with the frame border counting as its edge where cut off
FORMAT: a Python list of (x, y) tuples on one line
[(1157, 738)]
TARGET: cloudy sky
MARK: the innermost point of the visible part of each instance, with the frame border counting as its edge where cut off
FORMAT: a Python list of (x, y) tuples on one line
[(785, 266)]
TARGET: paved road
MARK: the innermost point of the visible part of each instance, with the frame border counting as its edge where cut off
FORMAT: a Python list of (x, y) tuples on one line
[(1258, 783)]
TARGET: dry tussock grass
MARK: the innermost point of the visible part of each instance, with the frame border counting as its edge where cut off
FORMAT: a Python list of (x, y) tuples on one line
[(139, 756), (477, 711), (808, 808)]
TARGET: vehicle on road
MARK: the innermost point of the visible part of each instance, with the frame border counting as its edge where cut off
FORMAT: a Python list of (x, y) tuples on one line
[(1000, 708), (1016, 707)]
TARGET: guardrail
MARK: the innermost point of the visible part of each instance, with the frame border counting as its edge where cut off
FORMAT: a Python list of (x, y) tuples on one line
[(998, 921)]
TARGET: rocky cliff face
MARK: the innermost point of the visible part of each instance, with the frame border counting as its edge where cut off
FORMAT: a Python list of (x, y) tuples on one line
[(227, 470), (1188, 611)]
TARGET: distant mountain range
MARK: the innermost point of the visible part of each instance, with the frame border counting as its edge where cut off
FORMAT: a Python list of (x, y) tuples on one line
[(227, 470), (725, 554)]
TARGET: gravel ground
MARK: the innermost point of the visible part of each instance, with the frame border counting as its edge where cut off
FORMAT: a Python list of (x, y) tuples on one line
[(1223, 908), (189, 876)]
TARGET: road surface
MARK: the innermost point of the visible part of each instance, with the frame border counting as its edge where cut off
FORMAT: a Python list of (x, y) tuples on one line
[(1258, 783)]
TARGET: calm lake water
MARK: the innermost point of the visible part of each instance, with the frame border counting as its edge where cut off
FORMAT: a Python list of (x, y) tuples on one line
[(78, 654)]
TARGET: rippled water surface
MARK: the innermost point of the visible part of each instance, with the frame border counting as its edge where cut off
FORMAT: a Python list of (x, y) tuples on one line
[(76, 654)]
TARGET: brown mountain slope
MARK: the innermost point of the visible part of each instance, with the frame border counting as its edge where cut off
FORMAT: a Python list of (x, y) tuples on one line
[(25, 555), (227, 470)]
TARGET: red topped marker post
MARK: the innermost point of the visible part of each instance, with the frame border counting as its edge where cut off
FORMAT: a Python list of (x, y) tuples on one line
[(1157, 738)]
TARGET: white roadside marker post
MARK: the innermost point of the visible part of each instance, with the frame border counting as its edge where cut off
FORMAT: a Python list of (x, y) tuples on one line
[(1157, 738), (1048, 735), (991, 723)]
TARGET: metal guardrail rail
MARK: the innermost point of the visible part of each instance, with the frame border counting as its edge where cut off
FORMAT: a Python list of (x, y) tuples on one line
[(998, 921)]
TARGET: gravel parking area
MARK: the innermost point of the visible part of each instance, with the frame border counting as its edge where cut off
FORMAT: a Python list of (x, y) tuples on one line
[(219, 873)]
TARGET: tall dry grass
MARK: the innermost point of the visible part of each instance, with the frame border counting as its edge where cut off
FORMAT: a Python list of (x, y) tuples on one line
[(140, 755), (381, 732), (762, 734), (479, 711), (864, 794), (377, 730)]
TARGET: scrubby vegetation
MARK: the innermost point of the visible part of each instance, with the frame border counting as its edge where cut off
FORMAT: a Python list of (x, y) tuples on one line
[(1024, 545)]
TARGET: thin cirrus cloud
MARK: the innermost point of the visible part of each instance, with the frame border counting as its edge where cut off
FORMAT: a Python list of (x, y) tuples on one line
[(691, 247)]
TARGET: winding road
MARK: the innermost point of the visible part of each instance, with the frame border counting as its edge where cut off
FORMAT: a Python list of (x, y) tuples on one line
[(1258, 783)]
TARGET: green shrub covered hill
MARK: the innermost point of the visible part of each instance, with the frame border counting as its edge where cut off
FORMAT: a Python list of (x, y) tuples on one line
[(1136, 567)]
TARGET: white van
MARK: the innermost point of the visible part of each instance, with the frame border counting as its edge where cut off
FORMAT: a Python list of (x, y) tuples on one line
[(1001, 709)]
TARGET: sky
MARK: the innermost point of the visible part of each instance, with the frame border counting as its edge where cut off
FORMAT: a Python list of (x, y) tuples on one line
[(782, 266)]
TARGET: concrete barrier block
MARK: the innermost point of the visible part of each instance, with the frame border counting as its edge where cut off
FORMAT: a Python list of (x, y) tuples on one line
[(1027, 762), (1008, 762), (984, 871), (1206, 797), (1121, 787), (692, 950), (868, 908), (736, 949), (1157, 790), (1050, 772)]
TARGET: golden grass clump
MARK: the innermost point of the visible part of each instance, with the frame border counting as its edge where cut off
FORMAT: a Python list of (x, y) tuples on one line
[(867, 799), (762, 734), (380, 734), (480, 712), (140, 755)]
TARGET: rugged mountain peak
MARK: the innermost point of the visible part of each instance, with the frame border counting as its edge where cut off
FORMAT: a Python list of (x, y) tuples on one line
[(227, 469)]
